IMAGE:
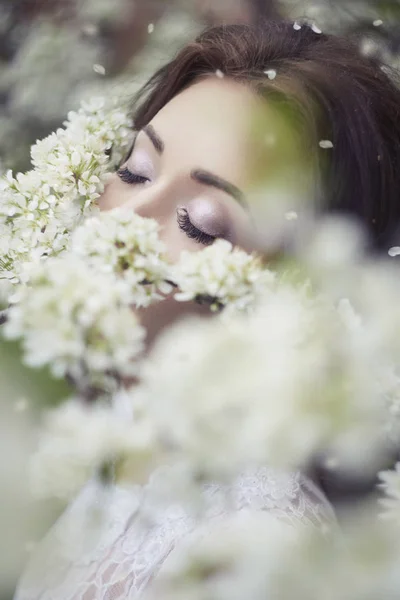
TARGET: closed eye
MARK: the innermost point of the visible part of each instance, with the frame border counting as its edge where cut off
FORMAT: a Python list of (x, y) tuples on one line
[(132, 178), (183, 219), (191, 231)]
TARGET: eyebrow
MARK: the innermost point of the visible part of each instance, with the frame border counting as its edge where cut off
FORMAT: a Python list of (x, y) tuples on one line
[(199, 175), (212, 180), (154, 138)]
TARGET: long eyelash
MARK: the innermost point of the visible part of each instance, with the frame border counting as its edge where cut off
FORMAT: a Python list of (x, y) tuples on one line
[(191, 231), (133, 178)]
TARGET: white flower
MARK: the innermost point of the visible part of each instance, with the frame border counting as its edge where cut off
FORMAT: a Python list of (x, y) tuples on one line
[(80, 438), (253, 555), (365, 290), (234, 556), (75, 320), (105, 120), (221, 275), (127, 245), (272, 388), (40, 208)]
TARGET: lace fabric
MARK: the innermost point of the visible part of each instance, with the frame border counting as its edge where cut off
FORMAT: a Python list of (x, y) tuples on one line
[(102, 548)]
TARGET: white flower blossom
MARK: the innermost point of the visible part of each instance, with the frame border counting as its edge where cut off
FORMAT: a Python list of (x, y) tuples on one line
[(365, 291), (123, 243), (40, 208), (229, 557), (221, 275), (273, 388), (254, 555), (77, 440), (76, 321)]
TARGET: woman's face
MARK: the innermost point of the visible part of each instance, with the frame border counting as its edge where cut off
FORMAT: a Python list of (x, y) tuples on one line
[(190, 170)]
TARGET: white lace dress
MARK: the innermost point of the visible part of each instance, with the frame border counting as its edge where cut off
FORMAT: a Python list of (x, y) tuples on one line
[(103, 548)]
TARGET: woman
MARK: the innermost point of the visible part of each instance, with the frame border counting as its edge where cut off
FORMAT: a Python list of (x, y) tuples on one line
[(194, 168), (193, 164)]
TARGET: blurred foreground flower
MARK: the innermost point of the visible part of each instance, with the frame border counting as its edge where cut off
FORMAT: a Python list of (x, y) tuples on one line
[(252, 555), (78, 440), (272, 388)]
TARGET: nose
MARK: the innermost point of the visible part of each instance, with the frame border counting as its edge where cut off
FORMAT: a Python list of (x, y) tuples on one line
[(159, 202), (145, 203), (156, 201)]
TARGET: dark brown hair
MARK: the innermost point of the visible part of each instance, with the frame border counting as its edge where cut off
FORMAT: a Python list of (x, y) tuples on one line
[(341, 95)]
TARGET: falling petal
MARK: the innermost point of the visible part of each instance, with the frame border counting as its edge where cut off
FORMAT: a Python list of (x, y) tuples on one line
[(99, 69), (271, 73), (90, 29)]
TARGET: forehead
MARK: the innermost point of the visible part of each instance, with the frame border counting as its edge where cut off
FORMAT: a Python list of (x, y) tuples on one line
[(208, 126)]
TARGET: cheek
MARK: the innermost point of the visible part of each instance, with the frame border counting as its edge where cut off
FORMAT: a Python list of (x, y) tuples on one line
[(114, 195), (158, 316)]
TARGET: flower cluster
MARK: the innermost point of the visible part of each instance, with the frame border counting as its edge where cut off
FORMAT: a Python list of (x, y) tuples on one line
[(79, 439), (274, 387), (221, 276), (76, 321), (127, 245), (295, 365), (251, 554), (40, 208)]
